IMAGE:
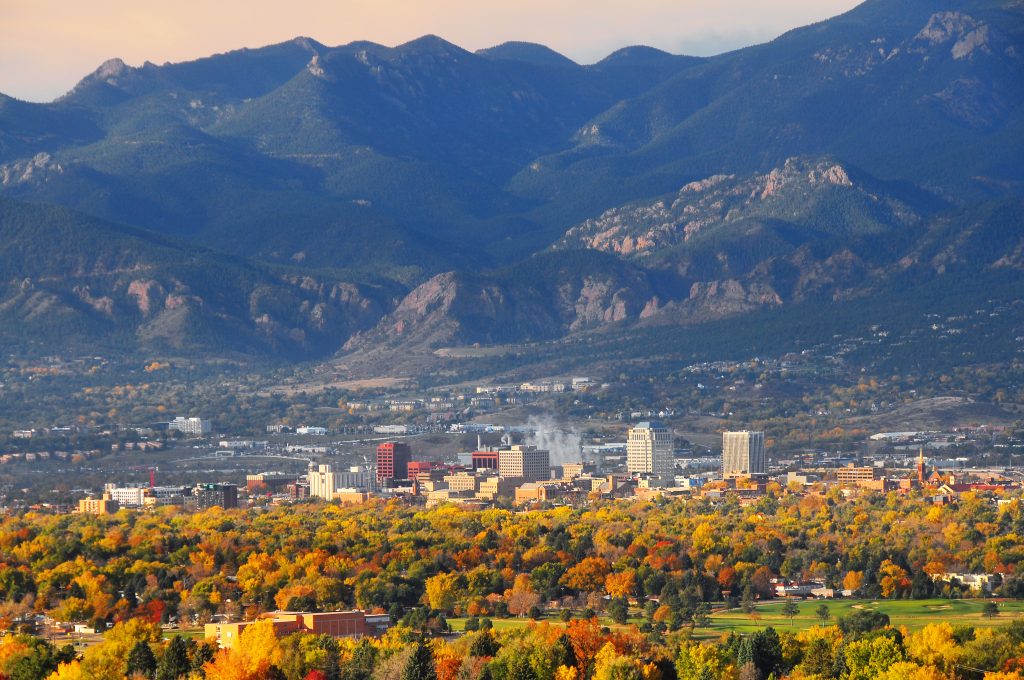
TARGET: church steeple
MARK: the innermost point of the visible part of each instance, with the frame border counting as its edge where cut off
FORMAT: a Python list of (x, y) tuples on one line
[(920, 466)]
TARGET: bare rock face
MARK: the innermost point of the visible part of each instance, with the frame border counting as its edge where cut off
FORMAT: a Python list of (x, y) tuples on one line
[(790, 192), (148, 295), (448, 308), (600, 302), (455, 308), (710, 300), (965, 35), (36, 170), (103, 304)]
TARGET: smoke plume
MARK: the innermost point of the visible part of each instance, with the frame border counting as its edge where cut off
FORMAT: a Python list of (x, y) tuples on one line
[(564, 442)]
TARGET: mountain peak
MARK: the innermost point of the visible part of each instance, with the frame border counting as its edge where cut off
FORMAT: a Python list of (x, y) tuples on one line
[(636, 54), (111, 68), (433, 44), (308, 44), (526, 52)]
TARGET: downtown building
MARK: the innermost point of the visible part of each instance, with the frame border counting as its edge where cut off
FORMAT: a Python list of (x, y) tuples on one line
[(525, 462), (325, 482), (650, 450), (193, 427), (742, 454), (393, 461)]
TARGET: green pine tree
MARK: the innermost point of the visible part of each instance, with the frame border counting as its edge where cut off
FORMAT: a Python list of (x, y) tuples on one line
[(174, 663), (420, 665), (141, 660)]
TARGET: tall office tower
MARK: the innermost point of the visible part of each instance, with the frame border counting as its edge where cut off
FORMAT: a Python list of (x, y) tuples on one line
[(210, 495), (528, 462), (742, 454), (649, 450), (393, 461)]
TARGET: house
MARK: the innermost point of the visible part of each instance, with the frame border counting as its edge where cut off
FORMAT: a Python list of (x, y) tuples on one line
[(978, 583)]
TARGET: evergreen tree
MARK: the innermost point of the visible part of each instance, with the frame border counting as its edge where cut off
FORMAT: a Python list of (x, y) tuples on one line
[(521, 669), (141, 660), (562, 653), (766, 651), (362, 663), (745, 653), (618, 610), (702, 615), (484, 644), (174, 663), (420, 665)]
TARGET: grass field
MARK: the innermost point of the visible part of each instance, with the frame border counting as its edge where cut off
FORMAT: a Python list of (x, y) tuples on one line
[(914, 614)]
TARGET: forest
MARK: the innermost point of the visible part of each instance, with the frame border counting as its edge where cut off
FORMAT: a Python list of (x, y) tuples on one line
[(620, 590)]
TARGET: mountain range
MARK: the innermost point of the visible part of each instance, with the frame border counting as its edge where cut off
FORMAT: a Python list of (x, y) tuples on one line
[(301, 200)]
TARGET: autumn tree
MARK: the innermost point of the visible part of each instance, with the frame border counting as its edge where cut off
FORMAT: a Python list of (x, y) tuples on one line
[(587, 576), (853, 581), (521, 597), (442, 591), (893, 580), (256, 652), (620, 584)]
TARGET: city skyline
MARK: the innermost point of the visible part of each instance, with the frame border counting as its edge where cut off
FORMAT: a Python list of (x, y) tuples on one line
[(44, 58)]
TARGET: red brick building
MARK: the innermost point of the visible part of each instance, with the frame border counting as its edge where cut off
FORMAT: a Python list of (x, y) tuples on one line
[(393, 461), (354, 624), (485, 460)]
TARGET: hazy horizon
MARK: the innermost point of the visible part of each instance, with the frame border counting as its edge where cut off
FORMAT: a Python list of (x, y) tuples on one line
[(160, 32)]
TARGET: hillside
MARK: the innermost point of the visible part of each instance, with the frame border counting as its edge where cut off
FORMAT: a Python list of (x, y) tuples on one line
[(71, 281), (450, 193)]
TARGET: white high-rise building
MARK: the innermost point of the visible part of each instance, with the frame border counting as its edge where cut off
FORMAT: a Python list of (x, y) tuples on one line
[(325, 482), (127, 496), (742, 454), (650, 450), (322, 482), (191, 426)]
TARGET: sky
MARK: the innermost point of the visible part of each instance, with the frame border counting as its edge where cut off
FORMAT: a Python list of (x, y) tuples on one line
[(46, 46)]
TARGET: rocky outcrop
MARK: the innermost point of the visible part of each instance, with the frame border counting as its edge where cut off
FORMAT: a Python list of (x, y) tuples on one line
[(35, 170), (965, 35), (800, 192), (455, 308), (710, 300)]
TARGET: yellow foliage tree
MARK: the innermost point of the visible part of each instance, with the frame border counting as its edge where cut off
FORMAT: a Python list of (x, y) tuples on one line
[(894, 579), (933, 645), (109, 660), (566, 673), (621, 584), (610, 665), (908, 670), (251, 659), (442, 591), (68, 671), (853, 580)]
